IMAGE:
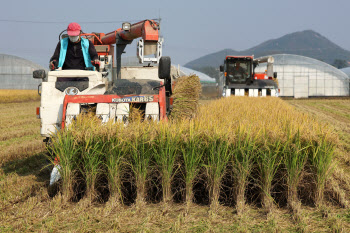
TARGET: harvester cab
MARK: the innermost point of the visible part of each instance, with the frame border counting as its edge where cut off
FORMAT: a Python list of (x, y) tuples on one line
[(238, 77), (109, 89)]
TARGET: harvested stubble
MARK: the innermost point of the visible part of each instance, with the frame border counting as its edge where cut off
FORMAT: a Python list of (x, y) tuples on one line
[(241, 136)]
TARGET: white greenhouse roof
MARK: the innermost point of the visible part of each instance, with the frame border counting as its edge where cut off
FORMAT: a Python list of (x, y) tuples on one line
[(203, 77), (17, 73), (291, 59), (346, 71), (303, 77)]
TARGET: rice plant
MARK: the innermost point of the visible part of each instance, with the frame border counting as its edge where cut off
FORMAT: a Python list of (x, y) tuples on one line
[(113, 163), (244, 151), (192, 152), (269, 158), (321, 161), (92, 163), (235, 133), (165, 151), (140, 150), (217, 156), (294, 160), (66, 150)]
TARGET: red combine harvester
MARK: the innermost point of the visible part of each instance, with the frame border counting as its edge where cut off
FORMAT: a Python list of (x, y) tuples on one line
[(110, 89), (239, 77)]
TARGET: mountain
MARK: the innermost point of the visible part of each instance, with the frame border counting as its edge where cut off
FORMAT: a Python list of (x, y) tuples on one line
[(306, 43)]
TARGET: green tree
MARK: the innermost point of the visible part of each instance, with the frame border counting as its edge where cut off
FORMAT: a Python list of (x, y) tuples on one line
[(339, 63)]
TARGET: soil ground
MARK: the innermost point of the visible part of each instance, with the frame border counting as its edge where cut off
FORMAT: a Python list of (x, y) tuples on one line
[(25, 205)]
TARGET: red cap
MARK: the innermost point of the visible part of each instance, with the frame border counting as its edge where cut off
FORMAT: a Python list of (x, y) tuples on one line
[(73, 29)]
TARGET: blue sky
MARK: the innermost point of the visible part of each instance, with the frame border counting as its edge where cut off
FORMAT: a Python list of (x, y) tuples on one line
[(190, 28)]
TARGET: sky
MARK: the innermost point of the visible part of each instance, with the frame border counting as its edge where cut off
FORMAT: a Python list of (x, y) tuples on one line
[(191, 29)]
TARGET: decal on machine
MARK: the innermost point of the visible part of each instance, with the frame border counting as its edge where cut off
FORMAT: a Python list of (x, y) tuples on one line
[(133, 99), (71, 91)]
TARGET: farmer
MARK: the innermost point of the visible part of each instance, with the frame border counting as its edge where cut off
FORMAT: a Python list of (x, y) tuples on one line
[(239, 70), (74, 52)]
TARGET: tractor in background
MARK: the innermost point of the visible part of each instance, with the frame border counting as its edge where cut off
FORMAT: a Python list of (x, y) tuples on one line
[(238, 77)]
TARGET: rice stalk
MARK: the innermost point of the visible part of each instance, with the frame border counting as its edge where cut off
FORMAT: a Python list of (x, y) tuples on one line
[(244, 151), (165, 152), (321, 161), (113, 162), (217, 156), (192, 153), (140, 150), (92, 163), (65, 149), (294, 160), (269, 158)]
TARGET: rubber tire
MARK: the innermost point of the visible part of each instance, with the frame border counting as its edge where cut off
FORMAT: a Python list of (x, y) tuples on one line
[(164, 67)]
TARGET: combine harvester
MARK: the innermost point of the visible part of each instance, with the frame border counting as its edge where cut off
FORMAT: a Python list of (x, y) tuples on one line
[(238, 77), (109, 90)]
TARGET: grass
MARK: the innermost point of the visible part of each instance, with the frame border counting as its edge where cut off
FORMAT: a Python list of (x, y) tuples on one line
[(25, 206)]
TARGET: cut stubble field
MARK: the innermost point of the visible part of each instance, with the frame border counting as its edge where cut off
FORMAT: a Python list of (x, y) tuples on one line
[(26, 206)]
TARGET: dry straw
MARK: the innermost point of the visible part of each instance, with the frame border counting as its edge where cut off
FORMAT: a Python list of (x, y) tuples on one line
[(186, 96)]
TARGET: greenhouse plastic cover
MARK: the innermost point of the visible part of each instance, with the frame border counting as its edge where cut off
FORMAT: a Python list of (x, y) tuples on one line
[(346, 71), (17, 73), (303, 77), (203, 77)]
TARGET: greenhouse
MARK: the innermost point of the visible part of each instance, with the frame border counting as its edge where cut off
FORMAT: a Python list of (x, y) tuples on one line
[(205, 79), (346, 71), (303, 77), (17, 73)]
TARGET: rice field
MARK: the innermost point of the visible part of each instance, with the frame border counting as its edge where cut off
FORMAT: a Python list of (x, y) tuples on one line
[(244, 149), (11, 96), (234, 166)]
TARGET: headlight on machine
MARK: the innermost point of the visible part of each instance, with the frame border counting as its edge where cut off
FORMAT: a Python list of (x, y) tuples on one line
[(126, 26)]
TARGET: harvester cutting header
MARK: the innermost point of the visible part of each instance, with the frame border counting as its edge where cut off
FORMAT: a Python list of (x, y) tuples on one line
[(107, 89)]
